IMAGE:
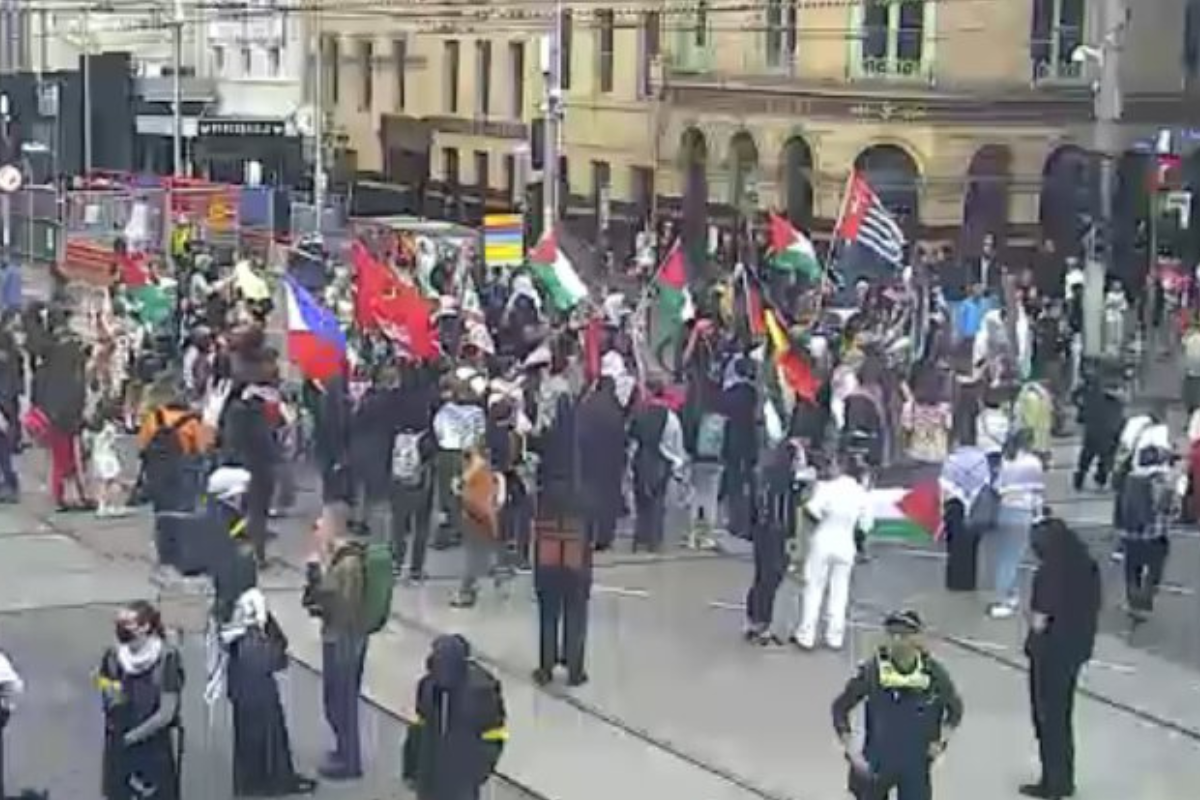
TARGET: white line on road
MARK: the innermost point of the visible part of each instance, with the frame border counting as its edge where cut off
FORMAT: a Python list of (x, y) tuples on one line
[(620, 591), (995, 647), (1124, 669), (722, 605)]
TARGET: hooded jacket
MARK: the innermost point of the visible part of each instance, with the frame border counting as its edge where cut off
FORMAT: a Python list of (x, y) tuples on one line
[(455, 742)]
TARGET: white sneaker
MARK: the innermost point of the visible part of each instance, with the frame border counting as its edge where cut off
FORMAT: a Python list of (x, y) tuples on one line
[(1001, 610), (803, 644)]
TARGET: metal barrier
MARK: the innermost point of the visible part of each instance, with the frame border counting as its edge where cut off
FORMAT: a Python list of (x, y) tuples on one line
[(332, 227), (36, 233)]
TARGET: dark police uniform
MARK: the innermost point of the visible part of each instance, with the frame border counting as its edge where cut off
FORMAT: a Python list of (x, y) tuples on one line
[(904, 716), (563, 580)]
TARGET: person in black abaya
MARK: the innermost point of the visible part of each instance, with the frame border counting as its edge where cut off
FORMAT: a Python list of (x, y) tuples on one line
[(1064, 610), (255, 650), (968, 510)]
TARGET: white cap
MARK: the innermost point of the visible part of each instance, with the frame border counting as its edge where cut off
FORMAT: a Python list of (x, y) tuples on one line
[(228, 483)]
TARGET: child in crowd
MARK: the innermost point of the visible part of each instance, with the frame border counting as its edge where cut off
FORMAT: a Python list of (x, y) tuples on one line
[(104, 461)]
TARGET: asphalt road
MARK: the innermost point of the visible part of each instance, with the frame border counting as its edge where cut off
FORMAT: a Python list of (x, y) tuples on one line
[(54, 739)]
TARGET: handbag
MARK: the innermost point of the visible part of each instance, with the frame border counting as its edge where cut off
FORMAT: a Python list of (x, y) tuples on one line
[(36, 424)]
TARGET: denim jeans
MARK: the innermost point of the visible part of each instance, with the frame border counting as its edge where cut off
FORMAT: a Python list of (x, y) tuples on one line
[(342, 659), (8, 473), (1011, 538)]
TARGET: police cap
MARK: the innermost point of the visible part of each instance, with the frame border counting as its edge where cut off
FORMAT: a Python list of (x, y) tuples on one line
[(906, 621)]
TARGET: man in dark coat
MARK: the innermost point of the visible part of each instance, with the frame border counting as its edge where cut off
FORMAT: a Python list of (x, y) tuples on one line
[(740, 453), (601, 453), (563, 579), (456, 741)]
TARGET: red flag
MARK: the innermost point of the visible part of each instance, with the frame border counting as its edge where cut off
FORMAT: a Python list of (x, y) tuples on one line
[(134, 272), (592, 335), (382, 301)]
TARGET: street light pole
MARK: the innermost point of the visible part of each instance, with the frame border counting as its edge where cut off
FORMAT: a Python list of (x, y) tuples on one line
[(1106, 143), (552, 72), (177, 90), (87, 91), (319, 123)]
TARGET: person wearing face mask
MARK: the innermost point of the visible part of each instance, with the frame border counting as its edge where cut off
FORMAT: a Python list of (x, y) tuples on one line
[(140, 681), (459, 734), (911, 709)]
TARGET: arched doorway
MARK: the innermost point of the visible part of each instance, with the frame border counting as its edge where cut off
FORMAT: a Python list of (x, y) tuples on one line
[(1067, 201), (743, 172), (797, 182), (894, 176), (986, 200), (693, 163)]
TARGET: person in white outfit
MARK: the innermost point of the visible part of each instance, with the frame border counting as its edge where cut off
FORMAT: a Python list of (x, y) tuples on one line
[(11, 687), (840, 505)]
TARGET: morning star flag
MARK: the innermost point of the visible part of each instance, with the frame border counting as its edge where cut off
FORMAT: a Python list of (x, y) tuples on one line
[(911, 514), (866, 223), (315, 341), (556, 273), (790, 250)]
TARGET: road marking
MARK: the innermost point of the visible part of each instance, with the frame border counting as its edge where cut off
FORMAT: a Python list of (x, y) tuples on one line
[(620, 591), (981, 644), (1124, 669), (722, 605)]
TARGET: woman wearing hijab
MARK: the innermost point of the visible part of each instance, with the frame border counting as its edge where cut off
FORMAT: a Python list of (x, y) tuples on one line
[(255, 649), (1063, 616), (966, 484), (140, 681)]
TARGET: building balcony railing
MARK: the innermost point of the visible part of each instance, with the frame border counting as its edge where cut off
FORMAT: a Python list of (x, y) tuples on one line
[(691, 60), (903, 70), (160, 89), (1049, 72)]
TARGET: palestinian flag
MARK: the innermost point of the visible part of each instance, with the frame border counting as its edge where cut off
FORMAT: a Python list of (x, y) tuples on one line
[(908, 514), (556, 273), (674, 303), (790, 250), (795, 372)]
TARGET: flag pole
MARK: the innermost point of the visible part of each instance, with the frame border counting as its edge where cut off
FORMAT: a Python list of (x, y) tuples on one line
[(833, 241)]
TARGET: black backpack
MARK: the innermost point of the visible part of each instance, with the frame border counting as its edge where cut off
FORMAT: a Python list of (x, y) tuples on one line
[(162, 459)]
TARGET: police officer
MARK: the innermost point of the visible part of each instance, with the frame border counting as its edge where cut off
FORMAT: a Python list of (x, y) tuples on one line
[(912, 708), (563, 579)]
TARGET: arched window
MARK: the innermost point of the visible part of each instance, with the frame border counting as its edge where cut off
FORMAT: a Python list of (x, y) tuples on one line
[(743, 171), (895, 178), (796, 179)]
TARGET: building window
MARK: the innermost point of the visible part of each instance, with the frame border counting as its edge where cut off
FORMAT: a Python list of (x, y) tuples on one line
[(1057, 31), (510, 178), (366, 66), (605, 43), (701, 31), (451, 65), (400, 57), (601, 184), (274, 61), (218, 60), (642, 181), (333, 71), (483, 77), (516, 62), (893, 38), (450, 168), (564, 55), (482, 172), (564, 185), (247, 61), (650, 46), (781, 33)]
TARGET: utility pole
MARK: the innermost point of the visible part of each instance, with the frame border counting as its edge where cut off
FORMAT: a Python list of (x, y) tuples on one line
[(87, 90), (319, 178), (1107, 144), (552, 56), (177, 90)]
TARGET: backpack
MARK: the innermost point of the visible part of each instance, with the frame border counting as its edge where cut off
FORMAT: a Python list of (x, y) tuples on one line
[(163, 458), (378, 583), (408, 467)]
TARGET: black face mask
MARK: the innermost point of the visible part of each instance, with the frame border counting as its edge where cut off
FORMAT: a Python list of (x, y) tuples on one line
[(124, 635)]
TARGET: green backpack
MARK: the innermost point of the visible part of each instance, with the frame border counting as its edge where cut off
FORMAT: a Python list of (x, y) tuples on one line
[(378, 583)]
